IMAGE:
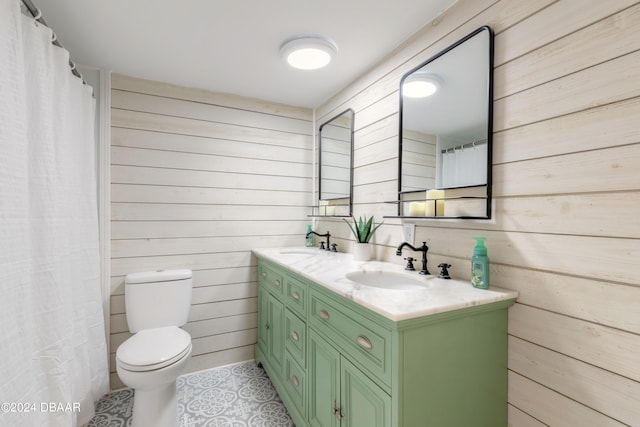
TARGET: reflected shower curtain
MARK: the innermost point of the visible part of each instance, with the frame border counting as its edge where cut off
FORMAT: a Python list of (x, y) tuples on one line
[(53, 356), (464, 166)]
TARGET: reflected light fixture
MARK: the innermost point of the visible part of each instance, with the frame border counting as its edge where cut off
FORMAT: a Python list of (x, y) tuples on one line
[(421, 85), (308, 52)]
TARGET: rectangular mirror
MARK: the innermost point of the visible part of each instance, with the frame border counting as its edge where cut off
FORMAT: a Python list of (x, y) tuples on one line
[(335, 161), (446, 132)]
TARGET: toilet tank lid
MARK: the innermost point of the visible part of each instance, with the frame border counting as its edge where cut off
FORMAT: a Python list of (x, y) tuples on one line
[(157, 276)]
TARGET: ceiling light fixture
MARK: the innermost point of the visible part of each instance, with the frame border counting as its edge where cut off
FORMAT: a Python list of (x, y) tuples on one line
[(421, 85), (308, 52)]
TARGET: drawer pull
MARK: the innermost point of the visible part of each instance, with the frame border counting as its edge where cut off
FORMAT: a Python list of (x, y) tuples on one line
[(294, 336), (277, 283), (294, 381), (323, 314), (296, 296), (364, 342), (264, 274)]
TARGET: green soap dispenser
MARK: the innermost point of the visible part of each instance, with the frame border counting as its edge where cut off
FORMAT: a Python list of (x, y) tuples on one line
[(480, 265), (310, 241)]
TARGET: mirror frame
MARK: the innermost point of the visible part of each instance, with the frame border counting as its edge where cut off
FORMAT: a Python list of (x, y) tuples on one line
[(489, 125), (351, 151)]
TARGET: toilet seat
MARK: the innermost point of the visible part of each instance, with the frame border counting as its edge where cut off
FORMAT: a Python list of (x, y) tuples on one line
[(152, 349)]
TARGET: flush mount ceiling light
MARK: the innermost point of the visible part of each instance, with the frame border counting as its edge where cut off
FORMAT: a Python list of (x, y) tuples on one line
[(421, 85), (308, 52)]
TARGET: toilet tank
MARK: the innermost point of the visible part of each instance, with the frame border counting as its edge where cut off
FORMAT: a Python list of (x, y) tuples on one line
[(156, 299)]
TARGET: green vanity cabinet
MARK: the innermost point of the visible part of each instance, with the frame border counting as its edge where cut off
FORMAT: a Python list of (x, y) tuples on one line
[(271, 328), (337, 384), (337, 363), (282, 334), (324, 373)]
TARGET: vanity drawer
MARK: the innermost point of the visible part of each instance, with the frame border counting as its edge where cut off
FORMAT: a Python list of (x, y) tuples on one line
[(296, 295), (295, 384), (366, 344), (270, 279), (295, 339)]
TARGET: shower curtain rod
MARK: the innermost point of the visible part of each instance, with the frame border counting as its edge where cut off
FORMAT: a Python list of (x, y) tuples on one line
[(37, 14), (467, 145)]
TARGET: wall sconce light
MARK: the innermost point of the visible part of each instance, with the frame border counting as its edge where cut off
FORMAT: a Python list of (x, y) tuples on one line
[(308, 52), (421, 85)]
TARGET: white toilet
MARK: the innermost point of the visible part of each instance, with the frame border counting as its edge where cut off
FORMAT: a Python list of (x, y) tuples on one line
[(157, 303)]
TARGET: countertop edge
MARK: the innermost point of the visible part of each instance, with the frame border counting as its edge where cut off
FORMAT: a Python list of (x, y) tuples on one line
[(296, 260)]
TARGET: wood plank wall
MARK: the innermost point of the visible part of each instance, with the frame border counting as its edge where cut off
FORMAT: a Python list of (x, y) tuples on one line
[(197, 180), (566, 225), (419, 156)]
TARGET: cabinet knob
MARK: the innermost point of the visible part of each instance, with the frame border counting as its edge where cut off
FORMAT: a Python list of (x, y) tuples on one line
[(264, 274), (364, 342), (294, 336), (294, 381), (266, 326), (323, 314), (295, 296), (277, 282)]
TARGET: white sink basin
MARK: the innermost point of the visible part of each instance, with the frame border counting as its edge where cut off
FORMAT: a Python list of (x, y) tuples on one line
[(386, 280)]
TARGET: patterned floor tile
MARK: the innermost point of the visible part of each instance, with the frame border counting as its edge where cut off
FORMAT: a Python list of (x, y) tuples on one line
[(231, 396)]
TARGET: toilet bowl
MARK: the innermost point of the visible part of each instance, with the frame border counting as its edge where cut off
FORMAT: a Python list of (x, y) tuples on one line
[(151, 360)]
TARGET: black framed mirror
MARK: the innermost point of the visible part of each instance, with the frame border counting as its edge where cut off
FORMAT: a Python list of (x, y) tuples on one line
[(335, 165), (445, 135)]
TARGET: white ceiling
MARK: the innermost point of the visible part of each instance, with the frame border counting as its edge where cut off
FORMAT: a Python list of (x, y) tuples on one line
[(232, 46)]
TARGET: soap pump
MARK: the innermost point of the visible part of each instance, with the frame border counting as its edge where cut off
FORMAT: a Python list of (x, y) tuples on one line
[(480, 265), (310, 240)]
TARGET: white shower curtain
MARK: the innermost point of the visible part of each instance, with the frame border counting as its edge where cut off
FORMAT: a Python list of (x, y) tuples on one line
[(53, 356), (464, 166)]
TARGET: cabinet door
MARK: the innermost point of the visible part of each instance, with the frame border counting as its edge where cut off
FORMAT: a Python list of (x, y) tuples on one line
[(275, 326), (324, 382), (263, 320), (271, 329), (363, 403)]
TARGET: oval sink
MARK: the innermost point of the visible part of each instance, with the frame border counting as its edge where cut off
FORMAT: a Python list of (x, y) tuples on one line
[(386, 280)]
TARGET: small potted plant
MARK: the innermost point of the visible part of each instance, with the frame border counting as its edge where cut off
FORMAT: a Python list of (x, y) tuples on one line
[(363, 230)]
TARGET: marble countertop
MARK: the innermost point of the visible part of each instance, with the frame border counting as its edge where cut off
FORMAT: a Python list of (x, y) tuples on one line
[(329, 269)]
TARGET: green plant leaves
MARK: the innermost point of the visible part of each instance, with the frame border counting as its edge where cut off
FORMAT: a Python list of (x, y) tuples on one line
[(362, 229)]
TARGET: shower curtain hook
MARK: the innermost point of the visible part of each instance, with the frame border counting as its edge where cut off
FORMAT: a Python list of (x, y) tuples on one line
[(73, 65), (54, 36), (38, 15)]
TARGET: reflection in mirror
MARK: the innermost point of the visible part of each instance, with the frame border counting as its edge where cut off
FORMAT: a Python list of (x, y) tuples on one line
[(445, 131), (336, 165)]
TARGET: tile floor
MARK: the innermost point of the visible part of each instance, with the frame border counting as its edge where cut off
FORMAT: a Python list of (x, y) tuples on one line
[(230, 396)]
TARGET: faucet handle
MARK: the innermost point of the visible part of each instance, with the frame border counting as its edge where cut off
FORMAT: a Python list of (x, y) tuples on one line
[(333, 247), (410, 266), (321, 245), (444, 273)]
